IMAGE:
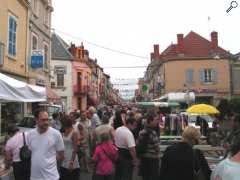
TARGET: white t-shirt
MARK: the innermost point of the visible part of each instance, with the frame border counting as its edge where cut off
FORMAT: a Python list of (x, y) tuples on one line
[(226, 170), (44, 148), (124, 138)]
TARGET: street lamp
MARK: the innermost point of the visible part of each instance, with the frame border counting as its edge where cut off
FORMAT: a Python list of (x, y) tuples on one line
[(187, 95)]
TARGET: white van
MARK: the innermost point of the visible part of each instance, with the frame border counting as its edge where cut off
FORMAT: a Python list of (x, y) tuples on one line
[(192, 118)]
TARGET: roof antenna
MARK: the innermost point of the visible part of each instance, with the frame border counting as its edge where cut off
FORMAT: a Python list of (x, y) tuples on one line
[(209, 26)]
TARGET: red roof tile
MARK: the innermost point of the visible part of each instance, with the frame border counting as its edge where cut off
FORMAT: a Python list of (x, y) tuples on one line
[(194, 46)]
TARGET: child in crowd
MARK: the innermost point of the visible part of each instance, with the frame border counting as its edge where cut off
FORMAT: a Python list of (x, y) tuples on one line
[(105, 155)]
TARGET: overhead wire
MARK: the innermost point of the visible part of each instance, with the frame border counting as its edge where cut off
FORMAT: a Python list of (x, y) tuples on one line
[(101, 46)]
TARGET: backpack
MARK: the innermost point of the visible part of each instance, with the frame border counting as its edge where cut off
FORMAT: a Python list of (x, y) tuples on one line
[(25, 153)]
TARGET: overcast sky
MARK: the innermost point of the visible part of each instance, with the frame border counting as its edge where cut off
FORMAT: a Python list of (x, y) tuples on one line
[(133, 26)]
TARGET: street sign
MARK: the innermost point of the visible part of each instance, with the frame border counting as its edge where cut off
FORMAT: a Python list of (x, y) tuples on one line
[(37, 59)]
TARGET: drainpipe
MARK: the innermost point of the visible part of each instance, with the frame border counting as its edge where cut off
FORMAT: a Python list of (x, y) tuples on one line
[(231, 76)]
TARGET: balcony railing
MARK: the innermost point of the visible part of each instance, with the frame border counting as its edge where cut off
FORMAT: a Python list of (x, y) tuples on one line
[(81, 89)]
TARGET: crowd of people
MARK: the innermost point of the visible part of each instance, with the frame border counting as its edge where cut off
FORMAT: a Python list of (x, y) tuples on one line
[(113, 142)]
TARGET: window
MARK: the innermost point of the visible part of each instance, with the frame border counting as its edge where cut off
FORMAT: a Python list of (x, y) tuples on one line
[(34, 42), (12, 35), (189, 76), (60, 71), (208, 75), (60, 80), (46, 51)]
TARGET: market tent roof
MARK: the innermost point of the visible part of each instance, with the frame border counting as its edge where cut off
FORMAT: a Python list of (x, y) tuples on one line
[(52, 95), (18, 91), (158, 104), (177, 97)]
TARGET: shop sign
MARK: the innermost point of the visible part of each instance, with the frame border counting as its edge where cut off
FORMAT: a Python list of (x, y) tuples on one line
[(205, 90), (37, 59)]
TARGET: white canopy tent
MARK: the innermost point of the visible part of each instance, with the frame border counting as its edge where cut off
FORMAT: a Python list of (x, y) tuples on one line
[(12, 90), (177, 97), (18, 91)]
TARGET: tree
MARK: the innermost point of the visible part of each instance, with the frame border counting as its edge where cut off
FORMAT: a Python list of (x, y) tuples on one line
[(235, 104), (224, 107)]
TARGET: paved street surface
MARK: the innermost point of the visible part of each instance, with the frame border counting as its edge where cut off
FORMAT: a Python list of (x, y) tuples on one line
[(88, 176)]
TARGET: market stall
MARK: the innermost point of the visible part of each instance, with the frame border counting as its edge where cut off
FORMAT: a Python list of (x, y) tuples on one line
[(12, 90)]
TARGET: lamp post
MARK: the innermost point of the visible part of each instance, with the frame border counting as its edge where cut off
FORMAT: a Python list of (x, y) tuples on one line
[(187, 95)]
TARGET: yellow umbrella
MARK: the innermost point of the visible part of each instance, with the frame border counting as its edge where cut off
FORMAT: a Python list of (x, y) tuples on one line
[(202, 109)]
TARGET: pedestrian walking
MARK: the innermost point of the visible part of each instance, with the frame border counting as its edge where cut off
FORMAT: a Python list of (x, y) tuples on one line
[(181, 161), (84, 129), (21, 169), (229, 169), (234, 125), (70, 168), (103, 128), (47, 146), (125, 143), (56, 123), (105, 156), (95, 120), (149, 148)]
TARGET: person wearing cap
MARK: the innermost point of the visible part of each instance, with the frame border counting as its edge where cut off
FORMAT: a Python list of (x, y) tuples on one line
[(21, 169)]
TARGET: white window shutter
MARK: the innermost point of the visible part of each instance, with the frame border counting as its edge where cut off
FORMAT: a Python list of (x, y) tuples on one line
[(202, 76)]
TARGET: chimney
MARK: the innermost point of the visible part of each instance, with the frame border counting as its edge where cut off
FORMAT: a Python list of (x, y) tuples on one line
[(81, 51), (180, 44), (156, 52), (86, 54), (152, 56), (72, 49), (214, 40)]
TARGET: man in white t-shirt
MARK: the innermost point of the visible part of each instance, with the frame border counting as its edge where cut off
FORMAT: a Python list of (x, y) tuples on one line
[(125, 142), (46, 145), (229, 169)]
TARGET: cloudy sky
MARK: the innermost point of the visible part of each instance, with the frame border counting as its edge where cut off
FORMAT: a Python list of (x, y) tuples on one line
[(133, 26)]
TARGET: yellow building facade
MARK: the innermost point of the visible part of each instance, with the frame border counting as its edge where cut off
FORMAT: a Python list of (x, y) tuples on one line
[(14, 38)]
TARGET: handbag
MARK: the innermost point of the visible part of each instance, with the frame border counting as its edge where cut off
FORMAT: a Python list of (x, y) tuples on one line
[(198, 174), (25, 153)]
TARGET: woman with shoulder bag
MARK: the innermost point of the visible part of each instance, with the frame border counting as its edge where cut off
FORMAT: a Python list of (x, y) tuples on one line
[(15, 155), (181, 161)]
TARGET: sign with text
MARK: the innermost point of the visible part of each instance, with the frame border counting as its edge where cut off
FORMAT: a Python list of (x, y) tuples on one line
[(37, 59)]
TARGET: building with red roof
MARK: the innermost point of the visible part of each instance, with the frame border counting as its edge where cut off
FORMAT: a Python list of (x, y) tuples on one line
[(195, 64)]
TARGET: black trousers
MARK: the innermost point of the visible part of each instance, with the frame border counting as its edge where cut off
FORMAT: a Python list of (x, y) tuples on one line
[(21, 170), (124, 168), (66, 174), (101, 177), (150, 168)]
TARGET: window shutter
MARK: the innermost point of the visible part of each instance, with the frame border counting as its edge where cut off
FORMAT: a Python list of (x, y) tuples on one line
[(215, 75), (189, 75), (202, 76), (1, 53)]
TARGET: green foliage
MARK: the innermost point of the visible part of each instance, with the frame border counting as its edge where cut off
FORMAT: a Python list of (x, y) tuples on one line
[(235, 104), (224, 108)]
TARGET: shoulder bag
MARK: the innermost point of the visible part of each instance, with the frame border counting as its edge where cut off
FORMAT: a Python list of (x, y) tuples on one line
[(25, 153)]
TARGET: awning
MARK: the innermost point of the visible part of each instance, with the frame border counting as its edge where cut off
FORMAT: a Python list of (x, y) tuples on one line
[(177, 97), (52, 95), (17, 91), (158, 104)]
